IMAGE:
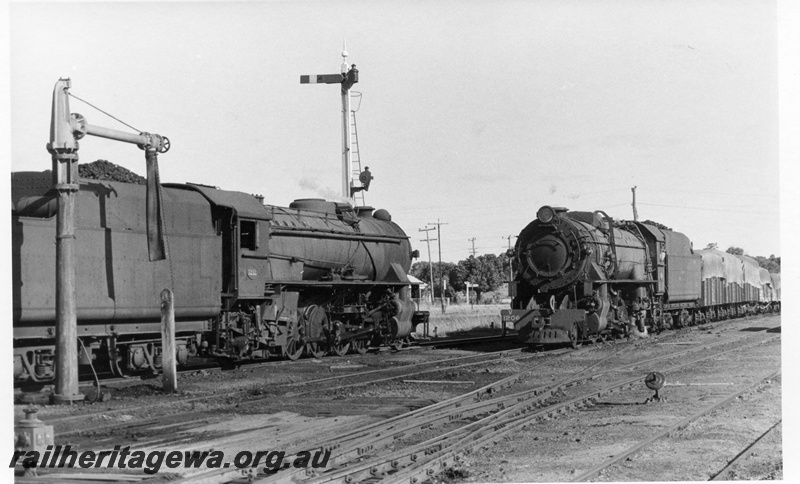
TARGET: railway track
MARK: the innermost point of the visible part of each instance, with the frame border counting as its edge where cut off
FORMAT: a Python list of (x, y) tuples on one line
[(168, 424), (357, 457), (312, 386), (290, 390), (361, 454), (460, 342), (110, 382), (726, 473), (88, 381), (678, 426), (445, 451), (315, 385)]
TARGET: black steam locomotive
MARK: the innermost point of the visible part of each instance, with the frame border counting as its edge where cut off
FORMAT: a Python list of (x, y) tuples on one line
[(584, 276), (250, 281)]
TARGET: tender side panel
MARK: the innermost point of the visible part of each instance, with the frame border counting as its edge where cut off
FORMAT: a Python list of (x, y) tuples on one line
[(683, 278), (115, 279), (683, 268)]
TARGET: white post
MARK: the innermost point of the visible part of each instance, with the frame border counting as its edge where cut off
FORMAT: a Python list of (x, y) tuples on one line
[(347, 165), (170, 376)]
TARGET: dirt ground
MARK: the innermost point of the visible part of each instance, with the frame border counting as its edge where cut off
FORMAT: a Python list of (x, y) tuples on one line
[(555, 450), (563, 448)]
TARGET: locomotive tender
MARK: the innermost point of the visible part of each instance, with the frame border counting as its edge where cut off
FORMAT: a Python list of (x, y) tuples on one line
[(250, 281), (582, 275)]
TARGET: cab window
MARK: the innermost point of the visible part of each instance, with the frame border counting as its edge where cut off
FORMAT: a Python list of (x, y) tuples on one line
[(248, 234)]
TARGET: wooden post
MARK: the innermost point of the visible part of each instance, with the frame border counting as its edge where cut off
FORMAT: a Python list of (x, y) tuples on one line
[(169, 377)]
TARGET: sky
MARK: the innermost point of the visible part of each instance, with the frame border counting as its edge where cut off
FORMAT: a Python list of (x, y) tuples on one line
[(472, 114)]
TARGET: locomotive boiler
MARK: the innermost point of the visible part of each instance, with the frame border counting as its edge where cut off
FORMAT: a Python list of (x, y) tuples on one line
[(583, 275), (250, 281)]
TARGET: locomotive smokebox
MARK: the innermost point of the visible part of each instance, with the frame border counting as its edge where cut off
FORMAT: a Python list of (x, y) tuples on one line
[(549, 255), (549, 250)]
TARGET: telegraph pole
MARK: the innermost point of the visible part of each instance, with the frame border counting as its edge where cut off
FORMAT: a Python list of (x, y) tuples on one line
[(633, 204), (438, 225), (428, 240), (472, 250)]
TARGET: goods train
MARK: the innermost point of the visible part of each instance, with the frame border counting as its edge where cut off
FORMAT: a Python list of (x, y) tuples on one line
[(250, 281), (584, 276)]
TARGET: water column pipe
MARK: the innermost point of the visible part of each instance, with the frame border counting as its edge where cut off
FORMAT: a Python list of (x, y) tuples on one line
[(65, 130)]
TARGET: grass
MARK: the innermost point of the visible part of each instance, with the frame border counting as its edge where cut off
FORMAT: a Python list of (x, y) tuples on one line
[(463, 319)]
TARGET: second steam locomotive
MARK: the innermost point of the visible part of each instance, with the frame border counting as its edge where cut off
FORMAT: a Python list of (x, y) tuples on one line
[(250, 281), (583, 275)]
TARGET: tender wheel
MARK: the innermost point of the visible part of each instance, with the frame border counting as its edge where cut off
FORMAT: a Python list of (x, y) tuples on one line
[(315, 349), (340, 349), (359, 346)]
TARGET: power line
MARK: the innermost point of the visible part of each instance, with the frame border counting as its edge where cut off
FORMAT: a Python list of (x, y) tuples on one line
[(428, 240), (438, 225), (490, 207), (706, 192), (709, 209)]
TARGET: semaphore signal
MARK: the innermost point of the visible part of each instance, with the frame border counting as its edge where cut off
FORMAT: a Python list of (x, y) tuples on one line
[(346, 79)]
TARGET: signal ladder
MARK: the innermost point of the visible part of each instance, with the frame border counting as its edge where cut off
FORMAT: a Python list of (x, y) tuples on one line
[(355, 158)]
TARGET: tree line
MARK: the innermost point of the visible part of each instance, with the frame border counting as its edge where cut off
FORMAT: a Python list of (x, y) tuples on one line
[(484, 273), (488, 272)]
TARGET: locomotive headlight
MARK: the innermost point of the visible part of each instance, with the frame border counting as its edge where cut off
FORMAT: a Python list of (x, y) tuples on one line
[(546, 214)]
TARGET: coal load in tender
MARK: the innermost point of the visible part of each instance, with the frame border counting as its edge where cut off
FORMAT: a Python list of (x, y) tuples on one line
[(105, 170)]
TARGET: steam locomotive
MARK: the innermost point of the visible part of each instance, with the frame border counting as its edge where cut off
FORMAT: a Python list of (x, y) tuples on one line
[(250, 281), (584, 276)]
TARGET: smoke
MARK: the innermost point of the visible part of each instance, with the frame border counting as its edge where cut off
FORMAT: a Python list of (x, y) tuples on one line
[(325, 192)]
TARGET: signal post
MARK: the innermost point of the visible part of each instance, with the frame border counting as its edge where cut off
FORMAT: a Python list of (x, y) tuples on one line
[(346, 79)]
